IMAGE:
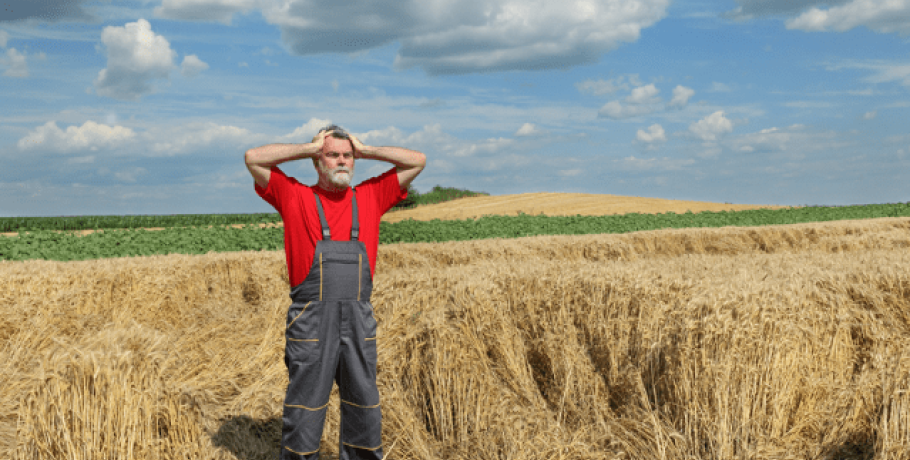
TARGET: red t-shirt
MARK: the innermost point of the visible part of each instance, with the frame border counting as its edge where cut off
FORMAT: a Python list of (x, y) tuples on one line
[(302, 229)]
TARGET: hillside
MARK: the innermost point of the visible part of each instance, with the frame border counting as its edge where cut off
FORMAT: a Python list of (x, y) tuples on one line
[(558, 204)]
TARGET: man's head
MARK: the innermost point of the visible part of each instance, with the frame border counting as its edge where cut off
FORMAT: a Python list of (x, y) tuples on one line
[(335, 164)]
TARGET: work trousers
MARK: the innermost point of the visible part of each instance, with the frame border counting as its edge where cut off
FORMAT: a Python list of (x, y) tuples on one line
[(326, 341)]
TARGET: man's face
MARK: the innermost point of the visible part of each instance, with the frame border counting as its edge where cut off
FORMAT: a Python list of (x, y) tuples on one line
[(336, 162)]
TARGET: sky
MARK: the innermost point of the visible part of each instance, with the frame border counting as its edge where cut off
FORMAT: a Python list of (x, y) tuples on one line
[(147, 106)]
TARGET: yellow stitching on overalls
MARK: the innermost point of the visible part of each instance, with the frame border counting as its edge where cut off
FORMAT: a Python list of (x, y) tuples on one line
[(370, 338), (303, 340), (320, 276), (358, 405), (298, 316), (307, 408), (364, 448), (359, 274), (301, 453)]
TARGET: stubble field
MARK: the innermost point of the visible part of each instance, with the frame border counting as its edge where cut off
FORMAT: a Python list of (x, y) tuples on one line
[(750, 343)]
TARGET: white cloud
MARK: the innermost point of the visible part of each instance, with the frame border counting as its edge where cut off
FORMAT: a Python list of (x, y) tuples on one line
[(205, 10), (528, 129), (881, 16), (4, 37), (458, 36), (654, 135), (644, 95), (198, 136), (794, 142), (870, 115), (15, 63), (617, 111), (135, 55), (306, 132), (885, 71), (681, 96), (192, 66), (335, 85), (430, 136), (642, 101), (713, 125), (90, 136)]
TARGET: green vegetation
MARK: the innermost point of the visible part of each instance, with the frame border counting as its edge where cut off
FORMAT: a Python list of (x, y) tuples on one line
[(128, 243), (437, 195), (20, 224)]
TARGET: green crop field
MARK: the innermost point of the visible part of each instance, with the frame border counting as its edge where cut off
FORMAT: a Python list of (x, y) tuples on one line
[(124, 242)]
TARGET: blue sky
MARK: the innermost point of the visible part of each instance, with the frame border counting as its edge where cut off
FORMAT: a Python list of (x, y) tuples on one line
[(147, 106)]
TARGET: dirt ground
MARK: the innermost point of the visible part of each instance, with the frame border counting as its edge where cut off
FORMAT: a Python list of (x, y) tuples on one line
[(550, 204)]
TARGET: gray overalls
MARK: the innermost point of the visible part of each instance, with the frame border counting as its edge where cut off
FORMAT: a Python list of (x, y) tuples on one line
[(331, 334)]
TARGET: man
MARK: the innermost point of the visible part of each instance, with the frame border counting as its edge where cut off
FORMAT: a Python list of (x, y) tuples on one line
[(331, 331)]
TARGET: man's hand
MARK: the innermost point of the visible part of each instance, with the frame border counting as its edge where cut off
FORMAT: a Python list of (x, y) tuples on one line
[(319, 141), (358, 147)]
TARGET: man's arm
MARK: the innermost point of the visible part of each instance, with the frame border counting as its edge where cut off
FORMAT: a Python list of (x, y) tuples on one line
[(408, 163), (261, 159)]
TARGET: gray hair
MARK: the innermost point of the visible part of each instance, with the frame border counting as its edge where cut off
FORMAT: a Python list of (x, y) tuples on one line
[(337, 132)]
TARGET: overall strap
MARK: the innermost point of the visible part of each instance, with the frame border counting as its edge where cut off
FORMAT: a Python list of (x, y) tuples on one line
[(355, 221)]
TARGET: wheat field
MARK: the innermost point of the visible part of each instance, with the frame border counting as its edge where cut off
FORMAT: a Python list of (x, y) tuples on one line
[(783, 342)]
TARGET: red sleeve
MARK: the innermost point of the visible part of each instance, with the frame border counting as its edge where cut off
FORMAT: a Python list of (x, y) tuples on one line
[(385, 190), (276, 191)]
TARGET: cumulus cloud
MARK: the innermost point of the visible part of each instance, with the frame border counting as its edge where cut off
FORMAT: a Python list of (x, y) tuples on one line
[(749, 9), (681, 96), (880, 16), (204, 10), (192, 66), (642, 101), (839, 15), (135, 56), (713, 125), (528, 129), (196, 136), (794, 140), (15, 64), (44, 10), (458, 36), (654, 135), (90, 136), (617, 111), (429, 135), (305, 132), (644, 95)]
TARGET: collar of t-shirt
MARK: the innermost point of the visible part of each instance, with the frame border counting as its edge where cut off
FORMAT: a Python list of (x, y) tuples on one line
[(333, 196)]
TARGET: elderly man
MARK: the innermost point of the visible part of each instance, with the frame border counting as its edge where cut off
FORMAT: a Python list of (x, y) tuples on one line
[(331, 234)]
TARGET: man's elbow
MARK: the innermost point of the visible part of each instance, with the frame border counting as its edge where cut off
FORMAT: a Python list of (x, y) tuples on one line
[(249, 156)]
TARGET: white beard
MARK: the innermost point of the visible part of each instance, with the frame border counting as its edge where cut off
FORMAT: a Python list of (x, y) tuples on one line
[(336, 178)]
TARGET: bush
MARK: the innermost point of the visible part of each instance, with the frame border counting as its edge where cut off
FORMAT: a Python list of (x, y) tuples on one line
[(410, 201)]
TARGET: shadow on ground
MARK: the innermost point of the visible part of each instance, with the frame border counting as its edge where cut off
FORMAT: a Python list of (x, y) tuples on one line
[(251, 439)]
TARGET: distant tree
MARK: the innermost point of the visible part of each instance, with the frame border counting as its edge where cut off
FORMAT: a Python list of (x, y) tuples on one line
[(411, 200)]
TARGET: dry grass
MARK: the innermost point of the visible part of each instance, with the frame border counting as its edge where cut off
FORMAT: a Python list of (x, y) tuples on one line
[(558, 204), (771, 342)]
